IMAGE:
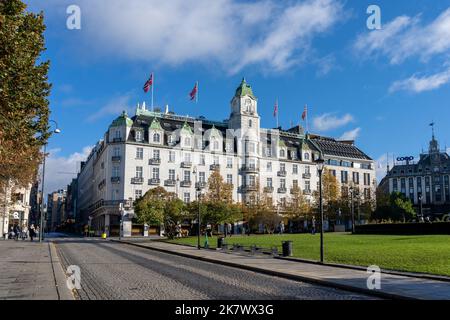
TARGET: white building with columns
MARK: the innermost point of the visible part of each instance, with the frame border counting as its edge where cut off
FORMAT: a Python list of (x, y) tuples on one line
[(155, 148)]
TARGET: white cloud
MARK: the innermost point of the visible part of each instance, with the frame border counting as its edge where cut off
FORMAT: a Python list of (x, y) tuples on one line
[(329, 121), (326, 65), (381, 167), (405, 37), (60, 170), (114, 107), (420, 84), (232, 33), (350, 135)]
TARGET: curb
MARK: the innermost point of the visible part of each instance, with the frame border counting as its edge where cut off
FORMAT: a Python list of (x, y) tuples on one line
[(348, 266), (311, 280), (59, 275)]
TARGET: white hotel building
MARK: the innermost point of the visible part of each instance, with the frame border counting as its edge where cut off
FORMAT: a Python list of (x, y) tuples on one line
[(163, 149)]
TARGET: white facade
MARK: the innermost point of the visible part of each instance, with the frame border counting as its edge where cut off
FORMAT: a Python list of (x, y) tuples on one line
[(157, 149), (17, 209)]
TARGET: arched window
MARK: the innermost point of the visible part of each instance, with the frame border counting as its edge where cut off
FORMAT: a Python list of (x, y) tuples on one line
[(250, 123), (156, 137), (187, 141), (282, 153), (306, 156), (216, 145)]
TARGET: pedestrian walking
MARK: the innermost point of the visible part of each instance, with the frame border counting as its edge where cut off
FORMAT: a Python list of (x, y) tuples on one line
[(313, 226), (229, 229), (281, 227), (16, 232), (32, 232), (24, 233)]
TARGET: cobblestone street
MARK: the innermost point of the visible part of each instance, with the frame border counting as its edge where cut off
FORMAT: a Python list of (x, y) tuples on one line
[(116, 271)]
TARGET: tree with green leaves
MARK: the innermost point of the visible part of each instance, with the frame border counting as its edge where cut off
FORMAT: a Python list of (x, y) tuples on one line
[(24, 91), (397, 207), (159, 207)]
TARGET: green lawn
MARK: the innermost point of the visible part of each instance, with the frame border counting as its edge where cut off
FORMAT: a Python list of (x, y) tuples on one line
[(427, 254)]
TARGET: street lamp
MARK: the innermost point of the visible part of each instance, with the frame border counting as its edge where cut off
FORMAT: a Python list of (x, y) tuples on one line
[(197, 188), (420, 207), (41, 222), (352, 206), (320, 162)]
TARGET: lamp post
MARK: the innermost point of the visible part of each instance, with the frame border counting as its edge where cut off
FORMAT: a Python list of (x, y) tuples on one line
[(41, 210), (420, 207), (320, 166), (197, 189), (352, 206)]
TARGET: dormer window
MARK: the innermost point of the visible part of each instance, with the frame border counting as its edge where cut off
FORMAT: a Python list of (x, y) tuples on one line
[(156, 138), (170, 139), (187, 142), (306, 156), (250, 123), (139, 135), (117, 134), (282, 153), (216, 145)]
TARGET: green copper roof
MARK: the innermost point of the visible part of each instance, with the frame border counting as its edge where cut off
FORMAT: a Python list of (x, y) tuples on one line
[(305, 145), (186, 128), (155, 125), (122, 120), (244, 89), (281, 143), (214, 132)]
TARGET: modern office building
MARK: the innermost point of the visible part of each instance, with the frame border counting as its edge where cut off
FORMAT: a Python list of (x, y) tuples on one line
[(154, 148), (425, 182)]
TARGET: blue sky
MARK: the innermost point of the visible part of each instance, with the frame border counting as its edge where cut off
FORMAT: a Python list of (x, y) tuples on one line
[(380, 87)]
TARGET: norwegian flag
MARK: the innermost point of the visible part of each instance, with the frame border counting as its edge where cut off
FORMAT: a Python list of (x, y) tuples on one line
[(305, 113), (148, 84), (194, 92), (275, 109)]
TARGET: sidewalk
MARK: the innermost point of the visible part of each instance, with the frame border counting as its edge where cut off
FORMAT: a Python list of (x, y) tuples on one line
[(31, 271), (392, 286)]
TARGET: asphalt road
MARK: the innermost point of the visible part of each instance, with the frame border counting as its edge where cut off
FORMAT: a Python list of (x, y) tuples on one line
[(117, 271)]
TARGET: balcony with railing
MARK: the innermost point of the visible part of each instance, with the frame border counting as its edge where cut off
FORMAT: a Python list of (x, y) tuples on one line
[(116, 158), (306, 175), (185, 183), (117, 140), (282, 173), (250, 188), (307, 191), (295, 190), (154, 161), (186, 164), (200, 185), (214, 167), (115, 179), (154, 182), (282, 190), (250, 169), (170, 183), (137, 180), (268, 189)]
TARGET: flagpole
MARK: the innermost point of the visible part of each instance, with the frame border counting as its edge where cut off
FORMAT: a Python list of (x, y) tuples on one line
[(196, 96), (153, 84), (278, 110), (307, 127)]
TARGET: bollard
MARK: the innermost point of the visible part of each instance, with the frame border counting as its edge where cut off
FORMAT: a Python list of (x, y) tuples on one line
[(287, 248)]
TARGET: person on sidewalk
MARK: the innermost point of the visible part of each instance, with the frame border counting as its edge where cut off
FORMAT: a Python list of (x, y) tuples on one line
[(229, 229), (32, 232), (16, 232), (313, 226), (281, 227), (24, 234)]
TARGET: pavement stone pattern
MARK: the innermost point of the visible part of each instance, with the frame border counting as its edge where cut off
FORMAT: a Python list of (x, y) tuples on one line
[(391, 284), (27, 271), (112, 270)]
